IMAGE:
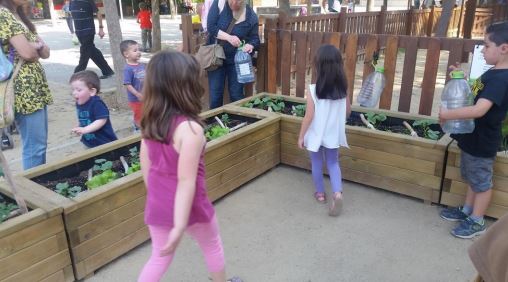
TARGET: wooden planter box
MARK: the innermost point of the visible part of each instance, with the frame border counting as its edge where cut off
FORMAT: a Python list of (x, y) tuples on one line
[(290, 154), (101, 224), (242, 155), (454, 189), (33, 246), (396, 162)]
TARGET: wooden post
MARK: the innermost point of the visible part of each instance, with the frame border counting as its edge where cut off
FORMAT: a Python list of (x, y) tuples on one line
[(430, 23), (186, 33), (469, 18), (460, 18), (284, 21), (342, 19), (409, 22), (381, 23)]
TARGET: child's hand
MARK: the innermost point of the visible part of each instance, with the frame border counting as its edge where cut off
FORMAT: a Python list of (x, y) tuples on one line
[(175, 235), (442, 115), (300, 143), (79, 130)]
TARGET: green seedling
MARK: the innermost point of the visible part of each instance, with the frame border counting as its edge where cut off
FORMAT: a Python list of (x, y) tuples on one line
[(375, 118), (225, 119), (215, 131), (66, 191), (102, 165), (103, 178), (425, 124), (5, 210), (298, 110), (276, 104), (135, 164)]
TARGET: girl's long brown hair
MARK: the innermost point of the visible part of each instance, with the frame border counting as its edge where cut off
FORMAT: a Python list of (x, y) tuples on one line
[(21, 13), (171, 87)]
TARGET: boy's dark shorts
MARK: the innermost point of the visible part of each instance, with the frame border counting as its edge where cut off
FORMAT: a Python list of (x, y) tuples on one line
[(476, 171)]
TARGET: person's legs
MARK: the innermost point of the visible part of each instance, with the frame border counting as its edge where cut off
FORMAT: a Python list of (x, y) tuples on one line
[(98, 59), (156, 265), (208, 237), (149, 38), (143, 38), (216, 80), (34, 137), (332, 163), (316, 159), (235, 88), (70, 24), (85, 51)]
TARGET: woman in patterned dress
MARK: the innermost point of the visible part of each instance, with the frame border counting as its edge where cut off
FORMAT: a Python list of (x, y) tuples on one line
[(31, 88)]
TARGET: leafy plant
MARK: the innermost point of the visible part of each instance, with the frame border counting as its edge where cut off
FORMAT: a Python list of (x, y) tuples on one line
[(298, 110), (102, 165), (100, 179), (135, 164), (425, 124), (66, 191), (5, 210), (225, 119), (375, 118), (215, 131), (277, 104)]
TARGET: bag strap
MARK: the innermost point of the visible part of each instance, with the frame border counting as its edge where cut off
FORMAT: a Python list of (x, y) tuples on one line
[(17, 68), (228, 31)]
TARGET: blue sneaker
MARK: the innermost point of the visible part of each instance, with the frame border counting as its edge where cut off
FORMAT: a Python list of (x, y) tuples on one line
[(468, 229), (453, 214)]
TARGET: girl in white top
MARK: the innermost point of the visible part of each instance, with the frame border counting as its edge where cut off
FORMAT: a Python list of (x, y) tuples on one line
[(323, 128)]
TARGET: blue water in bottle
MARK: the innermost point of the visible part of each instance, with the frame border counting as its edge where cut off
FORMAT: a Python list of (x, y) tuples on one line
[(243, 65)]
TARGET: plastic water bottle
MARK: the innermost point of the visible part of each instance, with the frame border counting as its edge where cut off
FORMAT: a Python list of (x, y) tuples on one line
[(372, 88), (243, 64), (457, 94)]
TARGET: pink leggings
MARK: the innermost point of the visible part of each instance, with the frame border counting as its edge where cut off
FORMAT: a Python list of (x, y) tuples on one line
[(208, 238)]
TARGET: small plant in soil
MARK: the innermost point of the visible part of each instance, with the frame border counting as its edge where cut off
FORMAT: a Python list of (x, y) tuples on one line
[(266, 103), (6, 210), (135, 164), (298, 110), (225, 119), (66, 191), (104, 176), (215, 131), (375, 118), (425, 124)]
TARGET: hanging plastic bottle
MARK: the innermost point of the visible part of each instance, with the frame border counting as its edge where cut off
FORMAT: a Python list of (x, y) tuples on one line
[(457, 94), (372, 88), (243, 64)]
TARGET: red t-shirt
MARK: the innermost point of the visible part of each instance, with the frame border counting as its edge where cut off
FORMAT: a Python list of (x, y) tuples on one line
[(144, 18)]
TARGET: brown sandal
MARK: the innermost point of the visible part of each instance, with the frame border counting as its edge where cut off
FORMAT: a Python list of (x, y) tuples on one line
[(320, 197)]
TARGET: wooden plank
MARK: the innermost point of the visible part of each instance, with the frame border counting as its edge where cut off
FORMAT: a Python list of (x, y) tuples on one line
[(316, 40), (370, 48), (296, 161), (301, 62), (28, 236), (350, 62), (272, 61), (33, 254), (286, 62), (408, 74), (261, 68), (115, 250), (42, 269), (107, 238), (58, 276), (105, 222), (429, 77), (92, 211), (390, 65), (455, 55), (493, 210)]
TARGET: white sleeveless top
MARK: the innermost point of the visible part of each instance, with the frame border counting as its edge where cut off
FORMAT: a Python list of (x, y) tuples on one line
[(328, 127)]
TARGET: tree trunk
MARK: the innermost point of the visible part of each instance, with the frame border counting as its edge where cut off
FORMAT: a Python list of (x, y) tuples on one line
[(284, 7), (156, 26), (444, 20), (172, 7), (115, 38), (370, 5)]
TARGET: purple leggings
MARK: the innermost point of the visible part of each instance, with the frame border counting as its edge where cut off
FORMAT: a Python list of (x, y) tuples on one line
[(208, 238), (332, 163)]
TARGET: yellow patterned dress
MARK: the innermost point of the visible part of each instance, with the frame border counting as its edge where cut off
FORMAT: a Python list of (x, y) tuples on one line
[(31, 88)]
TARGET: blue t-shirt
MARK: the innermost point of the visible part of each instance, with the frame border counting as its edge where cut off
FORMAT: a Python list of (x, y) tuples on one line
[(89, 112), (82, 12), (134, 75)]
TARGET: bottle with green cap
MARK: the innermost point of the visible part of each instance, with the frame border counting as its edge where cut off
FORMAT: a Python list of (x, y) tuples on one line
[(243, 65), (372, 88), (457, 94)]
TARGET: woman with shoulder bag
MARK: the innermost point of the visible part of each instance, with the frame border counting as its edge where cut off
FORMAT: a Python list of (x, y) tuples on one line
[(31, 88), (242, 21)]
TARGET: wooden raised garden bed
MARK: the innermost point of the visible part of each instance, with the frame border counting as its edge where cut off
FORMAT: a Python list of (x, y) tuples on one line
[(243, 154), (454, 188), (33, 246), (102, 223), (290, 124)]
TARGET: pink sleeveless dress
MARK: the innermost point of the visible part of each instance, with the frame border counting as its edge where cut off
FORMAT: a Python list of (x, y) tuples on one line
[(162, 183)]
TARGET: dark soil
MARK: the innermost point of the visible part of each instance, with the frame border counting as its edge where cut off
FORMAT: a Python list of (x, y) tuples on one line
[(234, 120)]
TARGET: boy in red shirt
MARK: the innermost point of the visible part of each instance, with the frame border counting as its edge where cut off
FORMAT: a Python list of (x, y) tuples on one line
[(145, 21)]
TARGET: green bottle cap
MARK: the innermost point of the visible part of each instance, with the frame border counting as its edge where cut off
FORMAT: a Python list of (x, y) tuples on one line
[(457, 74), (380, 69)]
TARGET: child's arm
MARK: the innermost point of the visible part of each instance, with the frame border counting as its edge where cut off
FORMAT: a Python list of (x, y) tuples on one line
[(92, 127), (307, 119), (348, 107), (133, 90), (144, 161), (481, 107), (189, 140)]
